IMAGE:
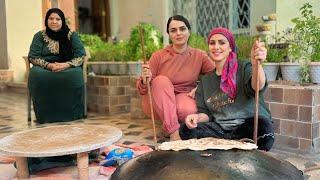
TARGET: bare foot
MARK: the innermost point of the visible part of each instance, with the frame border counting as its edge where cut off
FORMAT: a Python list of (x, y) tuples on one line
[(175, 136)]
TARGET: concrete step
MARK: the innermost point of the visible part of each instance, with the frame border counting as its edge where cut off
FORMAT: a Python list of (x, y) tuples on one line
[(16, 87)]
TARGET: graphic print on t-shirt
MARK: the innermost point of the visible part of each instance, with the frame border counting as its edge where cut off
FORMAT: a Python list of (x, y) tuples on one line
[(218, 100)]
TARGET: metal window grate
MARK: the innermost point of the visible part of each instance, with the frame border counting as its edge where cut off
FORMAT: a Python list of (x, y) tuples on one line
[(213, 13), (241, 16), (206, 14)]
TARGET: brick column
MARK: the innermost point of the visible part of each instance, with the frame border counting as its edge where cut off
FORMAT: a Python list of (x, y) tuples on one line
[(109, 94), (295, 111), (136, 111)]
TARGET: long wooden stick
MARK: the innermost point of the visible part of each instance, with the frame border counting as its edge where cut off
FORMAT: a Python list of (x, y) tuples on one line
[(149, 89), (256, 116)]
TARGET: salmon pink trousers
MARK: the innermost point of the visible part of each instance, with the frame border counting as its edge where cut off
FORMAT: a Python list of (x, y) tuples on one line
[(169, 106)]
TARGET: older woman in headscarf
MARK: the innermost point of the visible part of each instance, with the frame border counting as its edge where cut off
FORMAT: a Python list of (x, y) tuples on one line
[(56, 80), (225, 97)]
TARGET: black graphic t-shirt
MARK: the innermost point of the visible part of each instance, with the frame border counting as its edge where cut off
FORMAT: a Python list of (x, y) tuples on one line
[(227, 112), (218, 100)]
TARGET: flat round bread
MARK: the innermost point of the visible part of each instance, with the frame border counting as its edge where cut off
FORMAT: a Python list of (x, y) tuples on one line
[(206, 143)]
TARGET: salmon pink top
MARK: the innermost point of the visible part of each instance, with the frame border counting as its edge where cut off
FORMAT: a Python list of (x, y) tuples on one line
[(183, 69)]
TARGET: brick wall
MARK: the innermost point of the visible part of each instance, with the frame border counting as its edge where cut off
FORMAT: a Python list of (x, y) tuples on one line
[(135, 104), (6, 75), (108, 94), (114, 94), (296, 114)]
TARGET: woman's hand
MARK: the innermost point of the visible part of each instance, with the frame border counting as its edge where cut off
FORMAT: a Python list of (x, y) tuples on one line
[(192, 93), (146, 73), (192, 120), (258, 52), (50, 66), (57, 67)]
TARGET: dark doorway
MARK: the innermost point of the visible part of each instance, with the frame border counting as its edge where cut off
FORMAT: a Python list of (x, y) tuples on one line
[(94, 17)]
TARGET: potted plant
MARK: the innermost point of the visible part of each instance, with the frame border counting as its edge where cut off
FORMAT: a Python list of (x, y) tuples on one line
[(123, 57), (315, 64), (303, 42), (98, 49), (309, 26), (152, 41), (272, 64)]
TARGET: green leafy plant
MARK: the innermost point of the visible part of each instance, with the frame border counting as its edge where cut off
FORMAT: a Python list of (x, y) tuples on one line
[(103, 52), (316, 53), (124, 50), (305, 73), (152, 40), (90, 40), (244, 44), (197, 41), (121, 51), (276, 54), (99, 50), (305, 35), (304, 42)]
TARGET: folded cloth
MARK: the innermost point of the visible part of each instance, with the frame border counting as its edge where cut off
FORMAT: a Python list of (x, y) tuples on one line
[(137, 151), (107, 171)]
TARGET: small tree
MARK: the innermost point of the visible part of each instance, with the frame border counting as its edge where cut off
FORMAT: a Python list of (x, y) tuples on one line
[(305, 35), (152, 41), (305, 40)]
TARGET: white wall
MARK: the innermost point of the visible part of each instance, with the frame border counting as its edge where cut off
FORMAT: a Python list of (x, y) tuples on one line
[(114, 18), (258, 9), (285, 10), (131, 12), (3, 37), (288, 9), (24, 19)]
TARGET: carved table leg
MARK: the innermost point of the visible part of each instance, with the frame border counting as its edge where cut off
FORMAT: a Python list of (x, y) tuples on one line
[(83, 164), (22, 167)]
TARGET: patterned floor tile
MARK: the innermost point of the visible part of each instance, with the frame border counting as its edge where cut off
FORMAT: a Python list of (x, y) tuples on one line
[(13, 118)]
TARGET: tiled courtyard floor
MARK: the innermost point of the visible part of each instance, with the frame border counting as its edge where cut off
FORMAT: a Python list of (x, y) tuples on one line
[(13, 118)]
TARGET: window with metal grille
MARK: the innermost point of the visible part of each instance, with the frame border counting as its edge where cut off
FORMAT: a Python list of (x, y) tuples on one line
[(241, 16), (207, 14)]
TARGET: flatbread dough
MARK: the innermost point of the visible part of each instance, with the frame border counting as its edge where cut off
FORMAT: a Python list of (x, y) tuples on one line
[(206, 143)]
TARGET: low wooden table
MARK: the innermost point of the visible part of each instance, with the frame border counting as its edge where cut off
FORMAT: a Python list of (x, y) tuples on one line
[(57, 141)]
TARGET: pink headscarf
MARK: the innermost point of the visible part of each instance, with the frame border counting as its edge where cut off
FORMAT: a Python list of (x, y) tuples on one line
[(228, 82)]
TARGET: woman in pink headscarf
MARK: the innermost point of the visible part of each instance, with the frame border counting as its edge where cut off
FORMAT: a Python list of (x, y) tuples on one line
[(225, 97)]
